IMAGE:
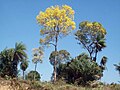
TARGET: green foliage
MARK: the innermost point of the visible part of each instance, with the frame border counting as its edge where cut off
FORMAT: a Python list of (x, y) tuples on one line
[(24, 65), (10, 58), (6, 59), (58, 57), (62, 56), (80, 70), (33, 75), (19, 55)]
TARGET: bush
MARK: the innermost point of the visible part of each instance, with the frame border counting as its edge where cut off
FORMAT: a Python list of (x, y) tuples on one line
[(33, 75), (80, 70)]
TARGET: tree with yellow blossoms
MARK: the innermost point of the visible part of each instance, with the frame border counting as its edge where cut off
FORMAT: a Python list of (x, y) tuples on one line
[(92, 36), (56, 22)]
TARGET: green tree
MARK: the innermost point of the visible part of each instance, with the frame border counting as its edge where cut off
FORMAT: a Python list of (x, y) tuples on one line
[(56, 22), (92, 36), (80, 70), (19, 55), (62, 57), (33, 75), (6, 58), (24, 66), (10, 59)]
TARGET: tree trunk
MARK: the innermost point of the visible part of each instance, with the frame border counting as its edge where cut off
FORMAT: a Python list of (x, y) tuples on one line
[(23, 75), (91, 56), (15, 72), (35, 66), (95, 55), (54, 73), (35, 70), (55, 63)]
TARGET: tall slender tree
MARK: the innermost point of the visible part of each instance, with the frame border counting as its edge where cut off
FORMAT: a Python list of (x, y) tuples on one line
[(38, 54), (57, 22)]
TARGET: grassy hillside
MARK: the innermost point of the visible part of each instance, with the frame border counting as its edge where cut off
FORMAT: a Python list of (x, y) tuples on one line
[(14, 84)]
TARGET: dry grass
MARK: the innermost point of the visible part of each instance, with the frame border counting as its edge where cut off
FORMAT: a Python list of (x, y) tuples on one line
[(14, 84)]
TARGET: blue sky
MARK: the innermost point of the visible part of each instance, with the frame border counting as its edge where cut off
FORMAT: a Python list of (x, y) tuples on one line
[(18, 23)]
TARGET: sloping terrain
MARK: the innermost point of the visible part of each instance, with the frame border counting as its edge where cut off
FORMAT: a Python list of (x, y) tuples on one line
[(14, 84)]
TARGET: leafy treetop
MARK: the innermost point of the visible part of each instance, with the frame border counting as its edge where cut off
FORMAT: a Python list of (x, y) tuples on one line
[(92, 36), (56, 20)]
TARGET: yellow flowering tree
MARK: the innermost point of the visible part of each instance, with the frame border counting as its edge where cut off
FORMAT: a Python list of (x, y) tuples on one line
[(92, 36), (56, 22)]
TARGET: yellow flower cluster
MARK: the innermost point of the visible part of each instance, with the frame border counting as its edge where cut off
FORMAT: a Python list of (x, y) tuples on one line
[(95, 27), (57, 16), (42, 41), (42, 32)]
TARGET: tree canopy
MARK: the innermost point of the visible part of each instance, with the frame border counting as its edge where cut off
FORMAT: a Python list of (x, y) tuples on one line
[(10, 58), (92, 36), (56, 20), (33, 75), (80, 70)]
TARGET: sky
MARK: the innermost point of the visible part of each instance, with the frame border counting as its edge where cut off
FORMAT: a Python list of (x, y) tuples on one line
[(18, 24)]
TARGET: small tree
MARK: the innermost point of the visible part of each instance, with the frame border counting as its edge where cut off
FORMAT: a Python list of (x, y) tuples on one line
[(37, 56), (56, 22), (33, 75), (62, 57), (92, 36), (24, 66)]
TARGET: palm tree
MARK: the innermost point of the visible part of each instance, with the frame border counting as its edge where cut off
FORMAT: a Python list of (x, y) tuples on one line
[(117, 67), (19, 55), (6, 57), (23, 66), (99, 45)]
